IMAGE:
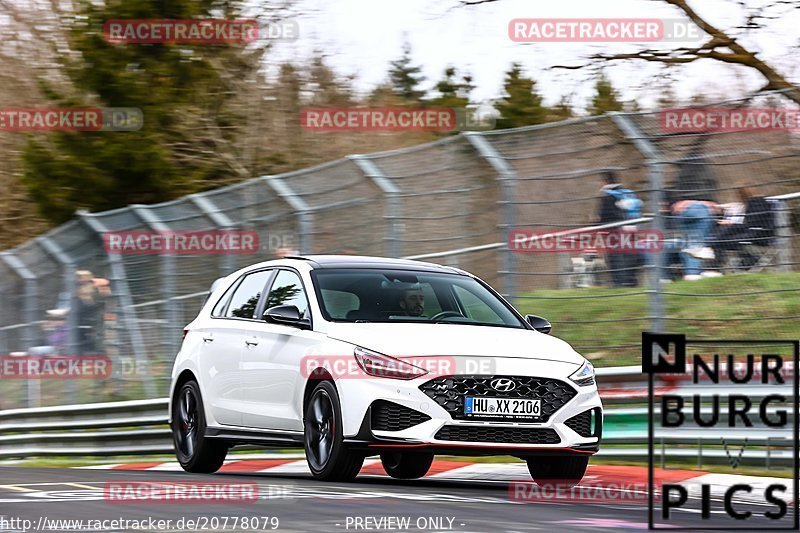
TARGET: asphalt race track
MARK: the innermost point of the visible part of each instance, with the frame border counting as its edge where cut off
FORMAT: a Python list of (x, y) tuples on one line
[(42, 495)]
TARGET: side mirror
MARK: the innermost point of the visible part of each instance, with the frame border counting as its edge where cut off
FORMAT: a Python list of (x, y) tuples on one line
[(288, 315), (542, 325)]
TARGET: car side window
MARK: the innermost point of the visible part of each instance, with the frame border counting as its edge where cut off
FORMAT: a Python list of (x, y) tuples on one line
[(245, 297), (219, 309), (287, 289)]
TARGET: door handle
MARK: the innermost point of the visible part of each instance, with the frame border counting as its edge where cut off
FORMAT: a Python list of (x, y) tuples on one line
[(208, 339), (251, 343)]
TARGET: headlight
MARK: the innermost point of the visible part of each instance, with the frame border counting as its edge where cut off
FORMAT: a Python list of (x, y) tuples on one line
[(584, 376), (383, 366)]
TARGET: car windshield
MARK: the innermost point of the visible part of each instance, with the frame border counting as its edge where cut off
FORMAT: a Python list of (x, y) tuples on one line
[(371, 295)]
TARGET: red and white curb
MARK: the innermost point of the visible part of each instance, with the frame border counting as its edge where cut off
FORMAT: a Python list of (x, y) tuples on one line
[(597, 475), (295, 464)]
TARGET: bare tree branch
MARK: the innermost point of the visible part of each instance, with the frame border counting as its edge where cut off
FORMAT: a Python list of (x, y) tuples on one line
[(721, 46)]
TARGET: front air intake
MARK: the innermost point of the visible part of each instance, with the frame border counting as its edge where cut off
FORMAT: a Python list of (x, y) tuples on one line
[(390, 416)]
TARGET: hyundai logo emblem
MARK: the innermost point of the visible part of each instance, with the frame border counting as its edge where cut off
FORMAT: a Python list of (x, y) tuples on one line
[(503, 384)]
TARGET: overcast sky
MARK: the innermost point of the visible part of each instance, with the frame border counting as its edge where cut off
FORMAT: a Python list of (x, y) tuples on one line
[(360, 37)]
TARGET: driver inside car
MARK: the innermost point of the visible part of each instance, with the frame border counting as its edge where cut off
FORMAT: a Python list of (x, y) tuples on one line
[(412, 301)]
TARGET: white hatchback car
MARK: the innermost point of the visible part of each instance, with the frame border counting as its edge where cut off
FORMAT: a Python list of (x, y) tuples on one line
[(358, 356)]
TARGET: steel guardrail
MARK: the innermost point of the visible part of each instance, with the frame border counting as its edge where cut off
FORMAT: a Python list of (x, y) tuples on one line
[(140, 427)]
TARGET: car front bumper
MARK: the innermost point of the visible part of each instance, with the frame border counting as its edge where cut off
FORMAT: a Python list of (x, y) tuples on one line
[(438, 429)]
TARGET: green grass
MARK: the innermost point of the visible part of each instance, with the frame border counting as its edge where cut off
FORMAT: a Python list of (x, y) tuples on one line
[(612, 317)]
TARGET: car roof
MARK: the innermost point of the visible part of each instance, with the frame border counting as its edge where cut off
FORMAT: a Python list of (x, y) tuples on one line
[(360, 261)]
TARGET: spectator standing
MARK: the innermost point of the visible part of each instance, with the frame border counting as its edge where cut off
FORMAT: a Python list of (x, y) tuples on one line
[(694, 205), (103, 287), (87, 299), (618, 204)]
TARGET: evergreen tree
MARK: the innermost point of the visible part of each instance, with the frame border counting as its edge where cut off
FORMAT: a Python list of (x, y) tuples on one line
[(521, 104), (563, 110), (453, 92), (185, 92), (405, 77), (286, 111), (606, 98), (325, 85), (383, 95)]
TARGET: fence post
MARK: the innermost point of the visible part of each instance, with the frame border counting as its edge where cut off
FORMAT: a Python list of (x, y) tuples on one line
[(699, 453), (784, 230), (119, 282), (4, 345), (68, 269), (507, 177), (68, 274), (221, 220), (301, 209), (654, 163), (31, 335), (392, 206), (171, 339)]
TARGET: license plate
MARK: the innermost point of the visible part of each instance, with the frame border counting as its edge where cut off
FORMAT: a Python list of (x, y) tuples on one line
[(503, 407)]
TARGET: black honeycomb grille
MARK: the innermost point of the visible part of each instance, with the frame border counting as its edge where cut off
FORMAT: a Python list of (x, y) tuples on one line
[(449, 392), (582, 424), (506, 435), (390, 416)]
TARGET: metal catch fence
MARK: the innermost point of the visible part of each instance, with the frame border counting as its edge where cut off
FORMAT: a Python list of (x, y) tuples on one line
[(456, 201)]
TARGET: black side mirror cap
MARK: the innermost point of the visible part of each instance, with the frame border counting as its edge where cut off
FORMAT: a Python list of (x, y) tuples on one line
[(288, 315), (542, 325)]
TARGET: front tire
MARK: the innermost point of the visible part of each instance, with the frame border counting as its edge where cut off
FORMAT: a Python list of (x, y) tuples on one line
[(195, 452), (565, 471), (327, 456), (406, 465)]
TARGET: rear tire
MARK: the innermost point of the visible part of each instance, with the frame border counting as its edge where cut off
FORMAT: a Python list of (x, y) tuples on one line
[(565, 471), (195, 452), (327, 456), (406, 465)]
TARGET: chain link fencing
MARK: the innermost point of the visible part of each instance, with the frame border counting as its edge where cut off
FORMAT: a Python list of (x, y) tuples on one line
[(455, 202)]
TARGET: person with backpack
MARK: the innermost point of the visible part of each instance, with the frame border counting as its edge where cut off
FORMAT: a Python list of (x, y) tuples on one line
[(693, 203), (618, 204)]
